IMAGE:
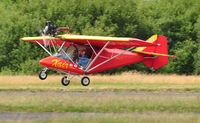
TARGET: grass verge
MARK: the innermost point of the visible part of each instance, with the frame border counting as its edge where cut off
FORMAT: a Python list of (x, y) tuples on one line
[(26, 101), (125, 81)]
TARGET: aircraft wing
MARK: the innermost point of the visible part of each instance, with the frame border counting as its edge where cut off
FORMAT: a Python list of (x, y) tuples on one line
[(44, 40), (96, 41), (99, 41)]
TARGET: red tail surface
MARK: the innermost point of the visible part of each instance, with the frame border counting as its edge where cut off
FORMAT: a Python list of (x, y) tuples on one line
[(155, 57)]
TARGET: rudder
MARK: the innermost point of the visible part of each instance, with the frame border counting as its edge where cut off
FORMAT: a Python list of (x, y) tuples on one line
[(155, 57)]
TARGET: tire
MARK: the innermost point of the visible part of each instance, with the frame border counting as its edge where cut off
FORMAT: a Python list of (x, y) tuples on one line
[(65, 81), (43, 75), (85, 81)]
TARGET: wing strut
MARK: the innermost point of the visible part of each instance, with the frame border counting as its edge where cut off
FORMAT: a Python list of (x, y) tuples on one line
[(92, 47), (43, 48), (97, 56), (109, 59)]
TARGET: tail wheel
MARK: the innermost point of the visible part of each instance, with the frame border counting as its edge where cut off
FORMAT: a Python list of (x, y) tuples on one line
[(65, 81), (85, 81), (43, 75)]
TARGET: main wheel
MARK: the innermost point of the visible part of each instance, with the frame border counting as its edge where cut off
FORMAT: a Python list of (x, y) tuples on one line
[(65, 81), (85, 81), (43, 75)]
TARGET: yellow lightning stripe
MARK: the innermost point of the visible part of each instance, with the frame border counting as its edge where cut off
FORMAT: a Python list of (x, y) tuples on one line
[(151, 53), (150, 40)]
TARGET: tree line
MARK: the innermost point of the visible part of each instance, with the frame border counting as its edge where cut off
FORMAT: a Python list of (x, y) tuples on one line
[(179, 20)]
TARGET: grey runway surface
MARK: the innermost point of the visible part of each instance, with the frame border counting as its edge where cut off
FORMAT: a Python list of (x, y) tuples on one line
[(42, 115), (22, 116)]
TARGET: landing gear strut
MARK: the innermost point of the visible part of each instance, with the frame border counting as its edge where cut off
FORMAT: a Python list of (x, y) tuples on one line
[(43, 74), (85, 81)]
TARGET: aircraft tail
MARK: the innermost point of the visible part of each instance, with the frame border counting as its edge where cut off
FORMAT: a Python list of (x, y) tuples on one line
[(155, 57)]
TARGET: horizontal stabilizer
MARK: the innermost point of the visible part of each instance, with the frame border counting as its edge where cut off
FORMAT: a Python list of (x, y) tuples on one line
[(157, 56)]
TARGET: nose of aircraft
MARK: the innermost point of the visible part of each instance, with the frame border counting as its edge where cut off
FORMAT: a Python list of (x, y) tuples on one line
[(56, 63), (45, 62)]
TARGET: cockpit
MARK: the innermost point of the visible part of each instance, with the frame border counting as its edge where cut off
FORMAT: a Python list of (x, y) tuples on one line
[(69, 53), (74, 54)]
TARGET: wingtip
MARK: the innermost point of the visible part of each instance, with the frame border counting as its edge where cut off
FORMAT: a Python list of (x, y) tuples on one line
[(22, 39)]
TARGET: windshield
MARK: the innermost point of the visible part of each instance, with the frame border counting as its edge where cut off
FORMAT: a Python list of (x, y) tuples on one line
[(68, 53)]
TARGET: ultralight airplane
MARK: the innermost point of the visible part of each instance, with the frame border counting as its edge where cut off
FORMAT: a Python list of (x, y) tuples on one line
[(82, 55)]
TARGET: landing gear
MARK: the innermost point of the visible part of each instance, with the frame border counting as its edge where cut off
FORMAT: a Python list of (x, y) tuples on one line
[(65, 81), (85, 81), (43, 74)]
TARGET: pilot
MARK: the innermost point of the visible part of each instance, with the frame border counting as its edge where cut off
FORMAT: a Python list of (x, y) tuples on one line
[(83, 59)]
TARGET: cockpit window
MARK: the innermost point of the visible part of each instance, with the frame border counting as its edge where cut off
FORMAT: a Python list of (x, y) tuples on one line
[(69, 53)]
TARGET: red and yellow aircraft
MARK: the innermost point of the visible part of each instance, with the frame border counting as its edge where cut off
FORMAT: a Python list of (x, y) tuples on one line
[(83, 55)]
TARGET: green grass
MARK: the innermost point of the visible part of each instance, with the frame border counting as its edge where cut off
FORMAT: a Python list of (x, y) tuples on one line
[(29, 94), (120, 86), (100, 102), (37, 102), (126, 81)]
